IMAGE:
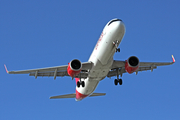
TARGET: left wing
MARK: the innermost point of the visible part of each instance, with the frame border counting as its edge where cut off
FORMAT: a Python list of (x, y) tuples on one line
[(118, 67), (52, 71)]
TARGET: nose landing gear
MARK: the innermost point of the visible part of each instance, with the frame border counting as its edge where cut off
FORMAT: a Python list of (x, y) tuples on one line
[(116, 81), (117, 49), (116, 46)]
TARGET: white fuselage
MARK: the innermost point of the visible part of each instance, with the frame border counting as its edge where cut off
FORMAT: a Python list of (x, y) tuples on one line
[(102, 55)]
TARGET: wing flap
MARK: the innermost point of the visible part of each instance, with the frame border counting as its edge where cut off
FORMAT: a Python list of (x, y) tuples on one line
[(59, 73), (155, 63), (50, 74), (114, 72), (118, 64)]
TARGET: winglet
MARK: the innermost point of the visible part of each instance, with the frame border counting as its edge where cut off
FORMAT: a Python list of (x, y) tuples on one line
[(173, 59), (6, 68)]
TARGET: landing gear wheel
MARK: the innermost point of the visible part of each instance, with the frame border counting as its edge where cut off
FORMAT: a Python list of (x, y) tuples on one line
[(78, 84), (83, 83), (115, 81), (117, 49), (120, 81)]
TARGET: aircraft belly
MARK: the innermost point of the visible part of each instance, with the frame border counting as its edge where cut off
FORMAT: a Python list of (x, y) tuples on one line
[(98, 74), (99, 71), (102, 56)]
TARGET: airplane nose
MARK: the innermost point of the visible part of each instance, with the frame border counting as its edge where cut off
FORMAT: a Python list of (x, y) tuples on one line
[(113, 21), (122, 26), (118, 26), (115, 26)]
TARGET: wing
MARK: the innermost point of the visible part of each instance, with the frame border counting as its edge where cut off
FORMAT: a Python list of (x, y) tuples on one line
[(53, 71), (118, 67)]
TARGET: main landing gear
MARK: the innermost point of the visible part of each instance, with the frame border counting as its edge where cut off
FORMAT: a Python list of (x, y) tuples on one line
[(79, 83), (116, 81), (116, 45)]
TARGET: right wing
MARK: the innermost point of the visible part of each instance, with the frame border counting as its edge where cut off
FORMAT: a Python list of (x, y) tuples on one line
[(53, 71)]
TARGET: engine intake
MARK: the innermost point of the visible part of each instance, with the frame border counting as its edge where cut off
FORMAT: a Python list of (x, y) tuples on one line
[(132, 64), (74, 68)]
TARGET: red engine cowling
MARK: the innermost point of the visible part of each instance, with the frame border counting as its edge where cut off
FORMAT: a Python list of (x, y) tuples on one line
[(74, 68), (132, 64)]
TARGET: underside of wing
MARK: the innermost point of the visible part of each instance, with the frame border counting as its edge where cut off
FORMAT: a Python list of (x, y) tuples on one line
[(120, 64), (155, 63), (85, 66), (48, 69), (83, 74), (118, 67), (53, 71)]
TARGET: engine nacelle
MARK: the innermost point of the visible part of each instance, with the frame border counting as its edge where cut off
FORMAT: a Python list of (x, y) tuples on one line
[(74, 68), (132, 64)]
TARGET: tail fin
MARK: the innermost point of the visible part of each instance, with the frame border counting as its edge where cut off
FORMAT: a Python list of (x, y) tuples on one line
[(6, 69), (173, 59)]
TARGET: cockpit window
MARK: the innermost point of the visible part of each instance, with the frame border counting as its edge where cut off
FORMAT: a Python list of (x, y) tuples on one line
[(114, 21)]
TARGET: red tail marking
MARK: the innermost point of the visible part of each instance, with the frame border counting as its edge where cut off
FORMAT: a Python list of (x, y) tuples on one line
[(173, 59), (80, 96), (6, 69)]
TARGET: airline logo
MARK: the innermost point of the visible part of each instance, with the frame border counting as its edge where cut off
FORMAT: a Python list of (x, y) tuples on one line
[(100, 38)]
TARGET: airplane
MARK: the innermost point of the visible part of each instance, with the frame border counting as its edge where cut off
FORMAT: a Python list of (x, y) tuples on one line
[(99, 66)]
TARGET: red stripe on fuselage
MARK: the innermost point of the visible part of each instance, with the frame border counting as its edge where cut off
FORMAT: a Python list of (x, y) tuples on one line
[(77, 79)]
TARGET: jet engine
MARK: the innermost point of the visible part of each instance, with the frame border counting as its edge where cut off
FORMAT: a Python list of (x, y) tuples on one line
[(74, 68), (132, 64)]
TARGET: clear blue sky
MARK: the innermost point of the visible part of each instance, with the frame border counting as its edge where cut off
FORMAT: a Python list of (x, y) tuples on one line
[(41, 33)]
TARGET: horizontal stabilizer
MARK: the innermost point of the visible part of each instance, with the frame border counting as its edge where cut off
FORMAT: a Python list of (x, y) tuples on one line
[(97, 94), (64, 96), (74, 95)]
